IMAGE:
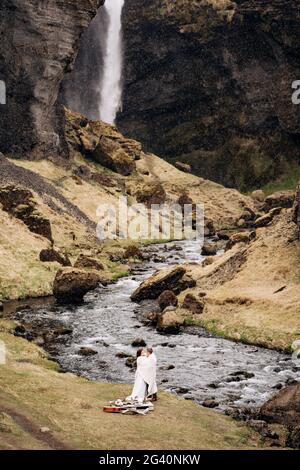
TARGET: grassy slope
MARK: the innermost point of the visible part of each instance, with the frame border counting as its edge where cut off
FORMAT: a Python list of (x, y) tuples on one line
[(247, 307), (71, 408)]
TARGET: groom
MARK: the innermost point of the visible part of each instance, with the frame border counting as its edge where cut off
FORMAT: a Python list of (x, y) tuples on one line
[(152, 357)]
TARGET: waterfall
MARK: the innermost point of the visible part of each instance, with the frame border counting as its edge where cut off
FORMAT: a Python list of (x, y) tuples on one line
[(111, 85)]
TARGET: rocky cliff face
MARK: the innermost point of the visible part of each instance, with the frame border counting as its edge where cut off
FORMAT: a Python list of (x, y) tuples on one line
[(39, 41), (209, 83)]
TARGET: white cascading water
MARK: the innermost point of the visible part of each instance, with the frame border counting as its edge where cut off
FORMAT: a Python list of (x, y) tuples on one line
[(111, 86)]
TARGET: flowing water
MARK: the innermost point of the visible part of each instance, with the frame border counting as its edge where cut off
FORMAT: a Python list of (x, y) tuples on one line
[(111, 87), (205, 367)]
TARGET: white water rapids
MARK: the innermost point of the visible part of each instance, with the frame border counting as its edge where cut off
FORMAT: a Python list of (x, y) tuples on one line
[(111, 86)]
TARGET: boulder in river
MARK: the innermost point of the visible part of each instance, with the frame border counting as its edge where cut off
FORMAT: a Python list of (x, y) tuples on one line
[(169, 322), (284, 408), (86, 351), (167, 299), (172, 278), (138, 342), (71, 285), (210, 404), (209, 249)]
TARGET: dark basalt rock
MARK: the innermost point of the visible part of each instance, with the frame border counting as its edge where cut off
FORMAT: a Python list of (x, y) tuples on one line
[(33, 64), (20, 203), (210, 86)]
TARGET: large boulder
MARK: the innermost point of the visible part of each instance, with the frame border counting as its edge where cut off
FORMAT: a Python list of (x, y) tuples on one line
[(151, 193), (284, 408), (71, 285), (110, 155), (173, 278), (51, 255), (169, 322), (167, 299), (284, 199), (86, 262), (194, 305)]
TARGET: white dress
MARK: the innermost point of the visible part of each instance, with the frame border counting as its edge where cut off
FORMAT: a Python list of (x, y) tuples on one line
[(145, 378)]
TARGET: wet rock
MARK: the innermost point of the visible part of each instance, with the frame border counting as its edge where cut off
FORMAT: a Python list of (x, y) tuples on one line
[(86, 262), (86, 351), (284, 408), (210, 404), (138, 343), (172, 278), (130, 362), (51, 255), (223, 235), (167, 299), (209, 249), (185, 167), (284, 199), (209, 228), (71, 285), (167, 367), (182, 390), (258, 195), (193, 304), (265, 220), (123, 355), (63, 331), (133, 252), (152, 317)]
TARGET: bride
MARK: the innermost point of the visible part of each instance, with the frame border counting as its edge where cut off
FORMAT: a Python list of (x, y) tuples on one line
[(145, 376)]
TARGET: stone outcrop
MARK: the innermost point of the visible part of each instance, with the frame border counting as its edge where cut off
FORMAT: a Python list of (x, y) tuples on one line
[(20, 203), (41, 42), (71, 285), (209, 83), (102, 143)]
